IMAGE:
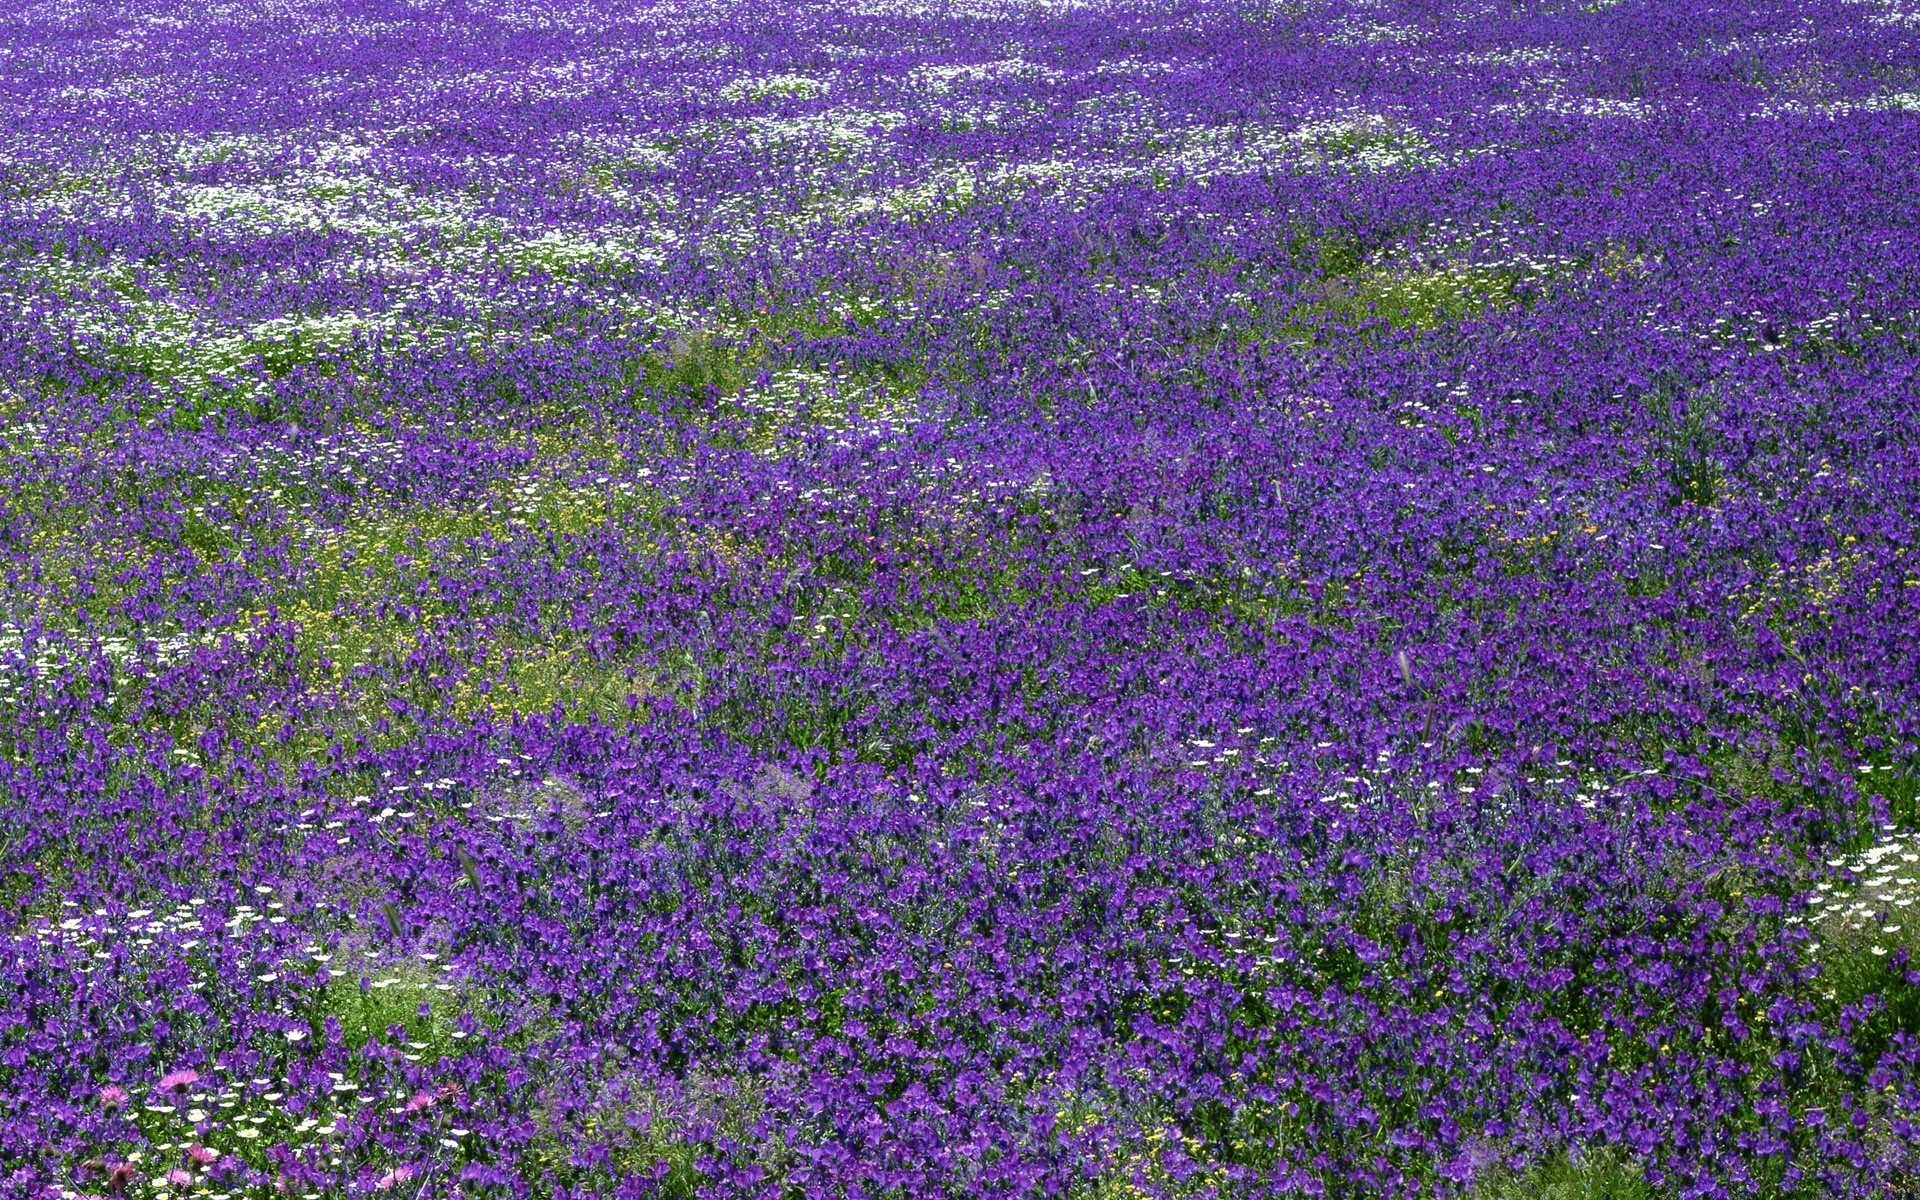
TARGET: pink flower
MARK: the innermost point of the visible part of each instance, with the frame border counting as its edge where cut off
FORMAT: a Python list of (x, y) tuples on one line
[(421, 1099), (113, 1097), (204, 1155), (179, 1081), (179, 1177), (399, 1174)]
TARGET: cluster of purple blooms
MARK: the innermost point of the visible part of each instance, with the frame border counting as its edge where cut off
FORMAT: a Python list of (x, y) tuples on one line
[(1093, 599)]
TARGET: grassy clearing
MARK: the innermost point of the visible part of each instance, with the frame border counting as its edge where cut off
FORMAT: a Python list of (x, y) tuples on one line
[(638, 1129), (1597, 1173), (1412, 298), (404, 1003)]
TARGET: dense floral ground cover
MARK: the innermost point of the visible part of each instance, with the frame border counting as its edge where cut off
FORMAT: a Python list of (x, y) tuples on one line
[(890, 600)]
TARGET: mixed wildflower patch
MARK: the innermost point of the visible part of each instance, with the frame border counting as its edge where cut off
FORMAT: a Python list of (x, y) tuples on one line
[(990, 599)]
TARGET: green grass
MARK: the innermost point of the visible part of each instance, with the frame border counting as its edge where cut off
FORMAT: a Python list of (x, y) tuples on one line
[(401, 1004), (1867, 955), (1420, 298), (1596, 1173), (643, 1133)]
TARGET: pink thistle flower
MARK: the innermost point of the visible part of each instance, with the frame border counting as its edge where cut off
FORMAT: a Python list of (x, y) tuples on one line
[(113, 1098), (398, 1175), (204, 1155), (420, 1099), (179, 1177), (179, 1081)]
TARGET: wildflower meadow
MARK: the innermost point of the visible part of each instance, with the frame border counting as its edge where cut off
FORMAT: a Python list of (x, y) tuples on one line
[(893, 599)]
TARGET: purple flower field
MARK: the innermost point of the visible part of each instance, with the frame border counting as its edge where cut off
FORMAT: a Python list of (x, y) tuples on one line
[(997, 598)]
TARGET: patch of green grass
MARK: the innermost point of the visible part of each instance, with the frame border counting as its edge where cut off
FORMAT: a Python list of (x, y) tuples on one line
[(34, 886), (643, 1133), (784, 85), (1144, 1166), (1354, 138), (694, 367), (1861, 961), (400, 1003), (572, 679), (1589, 1173), (1866, 952), (1414, 298)]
